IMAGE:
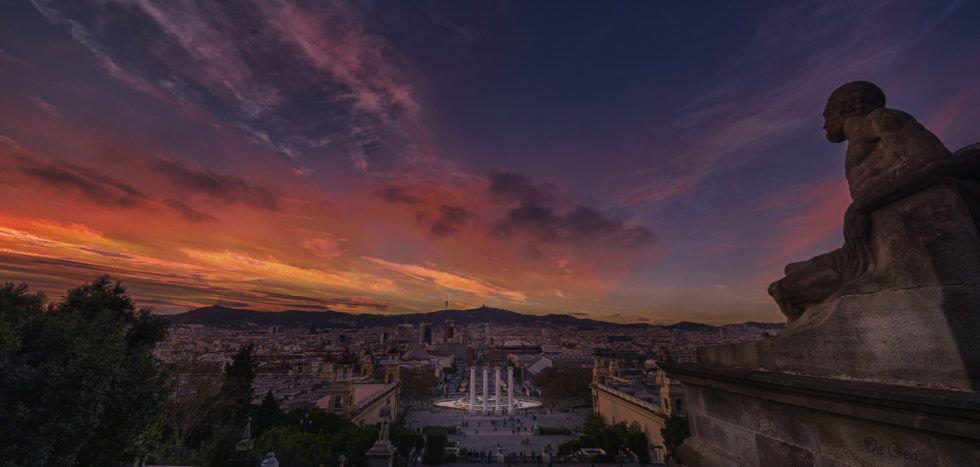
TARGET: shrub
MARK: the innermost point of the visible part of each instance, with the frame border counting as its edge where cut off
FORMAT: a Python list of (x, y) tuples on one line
[(435, 447), (569, 448), (550, 430)]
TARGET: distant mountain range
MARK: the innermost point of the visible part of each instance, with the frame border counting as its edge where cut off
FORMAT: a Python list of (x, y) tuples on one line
[(223, 316)]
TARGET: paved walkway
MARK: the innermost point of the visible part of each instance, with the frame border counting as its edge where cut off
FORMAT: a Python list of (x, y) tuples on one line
[(512, 433)]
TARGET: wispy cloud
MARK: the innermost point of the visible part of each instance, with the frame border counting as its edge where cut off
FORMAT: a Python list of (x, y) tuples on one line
[(225, 188), (765, 94), (254, 64), (536, 210), (810, 216), (449, 281)]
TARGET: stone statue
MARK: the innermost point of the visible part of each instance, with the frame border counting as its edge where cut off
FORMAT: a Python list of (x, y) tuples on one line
[(385, 415), (270, 460), (889, 156), (883, 333)]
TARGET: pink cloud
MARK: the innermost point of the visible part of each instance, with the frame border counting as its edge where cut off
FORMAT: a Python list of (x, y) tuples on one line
[(817, 216), (336, 43), (954, 114)]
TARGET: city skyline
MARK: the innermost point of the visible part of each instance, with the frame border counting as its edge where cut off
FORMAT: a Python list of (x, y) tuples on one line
[(654, 165)]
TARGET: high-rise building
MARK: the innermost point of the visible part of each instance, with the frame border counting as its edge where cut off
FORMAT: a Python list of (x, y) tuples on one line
[(456, 349), (448, 330), (425, 333)]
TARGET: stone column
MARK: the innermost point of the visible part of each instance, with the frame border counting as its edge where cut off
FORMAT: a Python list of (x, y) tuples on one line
[(472, 389), (510, 390), (496, 390), (485, 406)]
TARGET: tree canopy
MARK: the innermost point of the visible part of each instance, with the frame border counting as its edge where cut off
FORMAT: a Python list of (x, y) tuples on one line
[(78, 382), (418, 383), (674, 432)]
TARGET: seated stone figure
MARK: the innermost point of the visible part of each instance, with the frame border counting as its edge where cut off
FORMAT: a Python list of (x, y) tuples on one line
[(890, 156), (897, 302)]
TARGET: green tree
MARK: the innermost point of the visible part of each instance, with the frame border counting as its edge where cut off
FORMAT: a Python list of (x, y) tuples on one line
[(80, 385), (404, 438), (294, 447), (674, 432), (17, 307), (353, 443), (313, 419), (232, 406), (238, 384), (435, 445), (418, 383), (593, 424), (188, 418), (636, 440), (266, 415), (612, 439)]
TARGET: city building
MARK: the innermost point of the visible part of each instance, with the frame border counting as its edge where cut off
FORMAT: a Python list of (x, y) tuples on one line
[(358, 395), (626, 390), (405, 331), (457, 350), (448, 330)]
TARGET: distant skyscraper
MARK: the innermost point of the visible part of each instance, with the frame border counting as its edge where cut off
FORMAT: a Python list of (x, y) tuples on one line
[(456, 349), (448, 330), (425, 333)]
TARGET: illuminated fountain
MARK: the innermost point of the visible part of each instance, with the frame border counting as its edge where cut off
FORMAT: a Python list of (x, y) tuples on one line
[(463, 403), (489, 404)]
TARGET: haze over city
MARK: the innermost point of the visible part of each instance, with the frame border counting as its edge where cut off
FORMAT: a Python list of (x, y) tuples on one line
[(638, 164)]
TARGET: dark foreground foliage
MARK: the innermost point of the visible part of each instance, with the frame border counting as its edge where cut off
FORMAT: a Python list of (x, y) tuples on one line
[(78, 382)]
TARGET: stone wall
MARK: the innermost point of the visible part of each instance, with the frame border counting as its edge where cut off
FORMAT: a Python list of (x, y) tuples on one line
[(912, 321), (368, 413), (741, 417), (617, 407)]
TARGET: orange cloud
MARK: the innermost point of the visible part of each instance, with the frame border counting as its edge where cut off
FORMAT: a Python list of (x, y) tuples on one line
[(450, 281)]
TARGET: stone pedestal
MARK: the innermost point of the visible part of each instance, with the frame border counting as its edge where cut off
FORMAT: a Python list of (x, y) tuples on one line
[(382, 454), (886, 371), (756, 418), (912, 320)]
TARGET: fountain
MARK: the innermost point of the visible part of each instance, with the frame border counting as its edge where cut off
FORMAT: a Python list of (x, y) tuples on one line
[(463, 403)]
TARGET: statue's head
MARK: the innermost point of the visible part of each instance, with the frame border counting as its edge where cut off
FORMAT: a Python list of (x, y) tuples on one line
[(852, 99)]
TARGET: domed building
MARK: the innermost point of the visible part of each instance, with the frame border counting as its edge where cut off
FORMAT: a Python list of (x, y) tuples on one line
[(418, 356)]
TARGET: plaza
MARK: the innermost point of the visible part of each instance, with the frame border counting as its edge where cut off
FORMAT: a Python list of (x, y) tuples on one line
[(512, 433)]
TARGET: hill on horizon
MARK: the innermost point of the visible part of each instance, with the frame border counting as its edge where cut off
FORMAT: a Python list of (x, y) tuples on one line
[(226, 316)]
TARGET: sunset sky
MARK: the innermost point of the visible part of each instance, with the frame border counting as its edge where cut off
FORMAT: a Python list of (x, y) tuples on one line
[(626, 161)]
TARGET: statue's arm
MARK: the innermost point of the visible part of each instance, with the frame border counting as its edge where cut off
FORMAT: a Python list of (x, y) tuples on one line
[(925, 162)]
